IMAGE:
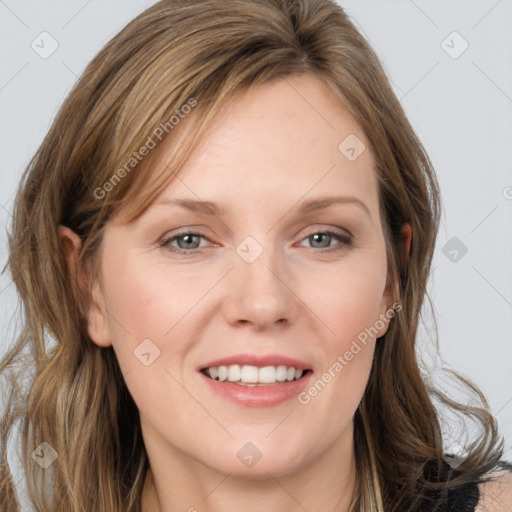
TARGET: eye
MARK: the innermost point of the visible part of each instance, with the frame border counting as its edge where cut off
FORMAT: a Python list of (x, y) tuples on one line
[(189, 242), (186, 242), (323, 240)]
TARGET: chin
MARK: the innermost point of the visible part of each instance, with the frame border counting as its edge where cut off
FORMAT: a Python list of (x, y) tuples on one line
[(262, 470), (255, 460)]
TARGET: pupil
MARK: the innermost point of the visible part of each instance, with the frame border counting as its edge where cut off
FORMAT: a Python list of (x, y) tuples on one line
[(188, 240), (320, 235)]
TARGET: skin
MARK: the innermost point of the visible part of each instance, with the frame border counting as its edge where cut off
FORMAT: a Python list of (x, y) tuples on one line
[(268, 153), (496, 495)]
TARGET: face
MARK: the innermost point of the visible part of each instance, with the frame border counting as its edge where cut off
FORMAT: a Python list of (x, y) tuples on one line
[(283, 273)]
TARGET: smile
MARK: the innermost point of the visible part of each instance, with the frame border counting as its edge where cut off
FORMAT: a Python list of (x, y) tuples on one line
[(250, 375)]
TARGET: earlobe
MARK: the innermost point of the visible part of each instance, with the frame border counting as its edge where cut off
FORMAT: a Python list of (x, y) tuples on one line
[(97, 322), (97, 325), (382, 323), (391, 292)]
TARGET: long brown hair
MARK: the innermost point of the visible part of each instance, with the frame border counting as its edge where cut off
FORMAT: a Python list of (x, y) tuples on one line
[(178, 53)]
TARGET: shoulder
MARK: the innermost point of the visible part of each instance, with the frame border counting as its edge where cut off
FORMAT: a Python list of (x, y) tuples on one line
[(496, 494)]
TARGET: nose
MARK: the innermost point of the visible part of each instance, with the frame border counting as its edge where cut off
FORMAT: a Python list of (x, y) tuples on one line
[(261, 293)]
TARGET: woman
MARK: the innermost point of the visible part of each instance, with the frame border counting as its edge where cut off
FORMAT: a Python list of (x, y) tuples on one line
[(227, 233)]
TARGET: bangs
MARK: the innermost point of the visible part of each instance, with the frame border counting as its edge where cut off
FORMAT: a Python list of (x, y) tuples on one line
[(141, 186)]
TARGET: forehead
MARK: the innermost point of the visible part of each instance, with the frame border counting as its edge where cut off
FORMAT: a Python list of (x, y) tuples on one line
[(290, 138)]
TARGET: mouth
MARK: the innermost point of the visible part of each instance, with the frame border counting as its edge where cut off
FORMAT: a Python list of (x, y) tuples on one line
[(255, 376)]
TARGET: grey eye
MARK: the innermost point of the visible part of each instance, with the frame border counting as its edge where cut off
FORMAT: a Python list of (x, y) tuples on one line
[(322, 238), (188, 241)]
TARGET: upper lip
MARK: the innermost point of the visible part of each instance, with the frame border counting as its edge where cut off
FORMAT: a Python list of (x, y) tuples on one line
[(258, 360)]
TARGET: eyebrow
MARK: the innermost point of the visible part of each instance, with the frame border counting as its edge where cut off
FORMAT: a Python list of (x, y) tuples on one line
[(211, 208), (324, 202)]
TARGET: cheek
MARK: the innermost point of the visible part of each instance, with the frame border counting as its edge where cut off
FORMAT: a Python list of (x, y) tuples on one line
[(148, 317), (348, 299), (348, 302), (150, 300), (144, 303)]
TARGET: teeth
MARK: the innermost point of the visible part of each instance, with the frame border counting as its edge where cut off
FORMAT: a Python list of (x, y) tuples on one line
[(248, 374), (281, 373), (233, 373), (223, 373), (267, 375)]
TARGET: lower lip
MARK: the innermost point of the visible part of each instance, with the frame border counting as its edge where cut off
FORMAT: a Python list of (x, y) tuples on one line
[(258, 396)]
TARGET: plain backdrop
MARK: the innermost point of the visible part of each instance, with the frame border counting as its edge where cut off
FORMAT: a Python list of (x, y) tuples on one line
[(450, 63)]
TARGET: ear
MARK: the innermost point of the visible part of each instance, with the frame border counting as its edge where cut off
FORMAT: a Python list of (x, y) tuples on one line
[(389, 297), (97, 325)]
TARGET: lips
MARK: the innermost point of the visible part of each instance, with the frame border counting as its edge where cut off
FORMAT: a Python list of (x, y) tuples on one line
[(259, 396), (256, 394)]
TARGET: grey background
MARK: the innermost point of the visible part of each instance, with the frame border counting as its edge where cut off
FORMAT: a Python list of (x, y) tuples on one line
[(460, 107)]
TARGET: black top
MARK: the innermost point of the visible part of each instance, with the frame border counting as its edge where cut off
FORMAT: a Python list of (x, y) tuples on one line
[(462, 499)]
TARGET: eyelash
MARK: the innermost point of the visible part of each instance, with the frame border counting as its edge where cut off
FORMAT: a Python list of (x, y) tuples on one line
[(345, 241)]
